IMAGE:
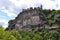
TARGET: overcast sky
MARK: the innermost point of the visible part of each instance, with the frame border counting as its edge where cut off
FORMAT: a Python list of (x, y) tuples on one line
[(9, 9)]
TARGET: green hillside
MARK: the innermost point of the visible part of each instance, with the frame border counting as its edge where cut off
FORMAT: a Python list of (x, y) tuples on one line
[(52, 33)]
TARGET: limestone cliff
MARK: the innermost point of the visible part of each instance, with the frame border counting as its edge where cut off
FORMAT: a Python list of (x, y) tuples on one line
[(29, 19)]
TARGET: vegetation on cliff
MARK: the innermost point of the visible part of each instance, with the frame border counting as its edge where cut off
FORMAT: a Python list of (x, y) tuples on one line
[(35, 18), (52, 18)]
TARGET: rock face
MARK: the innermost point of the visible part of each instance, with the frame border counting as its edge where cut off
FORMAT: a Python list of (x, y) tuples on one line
[(29, 19)]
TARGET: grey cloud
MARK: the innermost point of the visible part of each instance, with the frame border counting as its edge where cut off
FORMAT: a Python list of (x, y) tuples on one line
[(7, 4), (2, 23), (53, 0), (57, 5)]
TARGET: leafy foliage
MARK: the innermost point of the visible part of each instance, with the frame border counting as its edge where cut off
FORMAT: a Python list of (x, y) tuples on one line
[(29, 35)]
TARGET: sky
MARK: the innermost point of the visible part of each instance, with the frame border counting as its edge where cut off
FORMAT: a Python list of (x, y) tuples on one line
[(9, 9)]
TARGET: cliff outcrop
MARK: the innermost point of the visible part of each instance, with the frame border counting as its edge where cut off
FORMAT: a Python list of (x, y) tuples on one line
[(34, 18)]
